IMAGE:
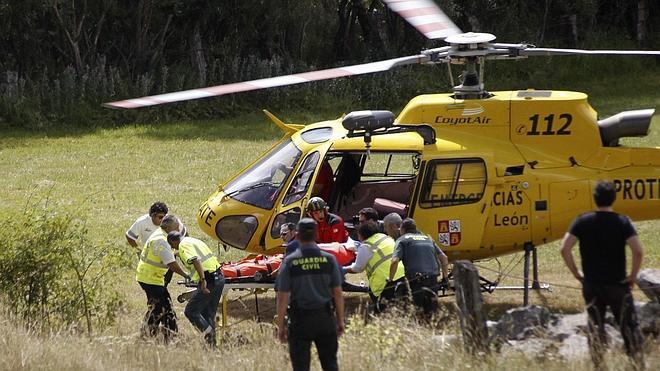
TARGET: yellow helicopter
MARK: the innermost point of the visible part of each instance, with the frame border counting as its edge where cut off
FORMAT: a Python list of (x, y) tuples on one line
[(485, 173)]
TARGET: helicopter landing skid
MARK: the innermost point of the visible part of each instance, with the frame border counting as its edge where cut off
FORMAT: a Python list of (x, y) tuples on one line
[(539, 286)]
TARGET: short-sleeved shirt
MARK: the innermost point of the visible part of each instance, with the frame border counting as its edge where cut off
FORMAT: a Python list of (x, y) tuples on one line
[(309, 275), (143, 227), (603, 236), (419, 254), (191, 249), (156, 245)]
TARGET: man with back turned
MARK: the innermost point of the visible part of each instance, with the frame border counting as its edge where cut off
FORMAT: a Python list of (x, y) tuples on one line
[(309, 284), (603, 236)]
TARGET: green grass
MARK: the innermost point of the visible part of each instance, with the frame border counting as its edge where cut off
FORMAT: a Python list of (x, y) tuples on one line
[(111, 176)]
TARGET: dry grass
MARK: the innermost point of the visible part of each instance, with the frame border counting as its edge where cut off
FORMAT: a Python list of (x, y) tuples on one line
[(393, 342)]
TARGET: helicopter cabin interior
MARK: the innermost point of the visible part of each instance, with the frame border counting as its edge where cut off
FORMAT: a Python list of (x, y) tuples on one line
[(382, 180)]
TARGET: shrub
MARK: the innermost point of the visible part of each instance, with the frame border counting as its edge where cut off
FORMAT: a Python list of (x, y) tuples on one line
[(51, 276)]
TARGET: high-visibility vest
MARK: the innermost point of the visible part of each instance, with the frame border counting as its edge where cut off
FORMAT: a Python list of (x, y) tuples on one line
[(378, 267), (189, 248), (151, 269)]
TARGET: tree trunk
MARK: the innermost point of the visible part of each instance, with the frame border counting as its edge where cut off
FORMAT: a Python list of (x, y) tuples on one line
[(198, 55), (470, 307), (344, 15), (642, 22), (369, 30), (73, 35)]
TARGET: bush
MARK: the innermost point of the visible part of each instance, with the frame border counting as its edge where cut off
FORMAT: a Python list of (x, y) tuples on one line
[(51, 276)]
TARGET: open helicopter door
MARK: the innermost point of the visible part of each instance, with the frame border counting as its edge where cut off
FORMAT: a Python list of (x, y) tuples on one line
[(290, 208), (451, 201)]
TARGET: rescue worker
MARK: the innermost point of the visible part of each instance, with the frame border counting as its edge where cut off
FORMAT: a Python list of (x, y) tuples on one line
[(147, 224), (155, 260), (309, 283), (374, 255), (324, 181), (369, 213), (392, 225), (204, 268), (603, 236), (421, 259), (330, 226)]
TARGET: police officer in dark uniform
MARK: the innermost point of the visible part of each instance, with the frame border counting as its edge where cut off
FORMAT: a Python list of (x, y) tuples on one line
[(422, 260), (309, 283)]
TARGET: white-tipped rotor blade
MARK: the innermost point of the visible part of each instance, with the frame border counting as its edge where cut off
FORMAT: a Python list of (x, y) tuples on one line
[(425, 16), (553, 51), (299, 78)]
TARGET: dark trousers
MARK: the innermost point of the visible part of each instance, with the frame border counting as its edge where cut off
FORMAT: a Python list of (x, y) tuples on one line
[(201, 308), (160, 311), (422, 288), (306, 327), (619, 299), (168, 277), (388, 295)]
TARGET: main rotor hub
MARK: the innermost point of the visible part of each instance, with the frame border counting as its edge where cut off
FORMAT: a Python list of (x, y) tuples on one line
[(470, 49), (470, 40)]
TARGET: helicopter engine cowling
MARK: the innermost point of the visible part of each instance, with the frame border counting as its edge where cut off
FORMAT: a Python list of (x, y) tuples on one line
[(625, 124)]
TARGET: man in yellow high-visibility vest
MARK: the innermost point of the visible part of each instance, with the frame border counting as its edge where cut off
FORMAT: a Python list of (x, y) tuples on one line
[(204, 267), (155, 260), (375, 255)]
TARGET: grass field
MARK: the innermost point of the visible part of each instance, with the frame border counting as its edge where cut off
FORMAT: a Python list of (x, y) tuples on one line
[(111, 176)]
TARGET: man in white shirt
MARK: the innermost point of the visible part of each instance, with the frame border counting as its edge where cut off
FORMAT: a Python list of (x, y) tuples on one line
[(145, 225)]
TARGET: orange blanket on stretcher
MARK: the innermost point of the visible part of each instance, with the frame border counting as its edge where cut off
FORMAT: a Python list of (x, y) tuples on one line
[(248, 267)]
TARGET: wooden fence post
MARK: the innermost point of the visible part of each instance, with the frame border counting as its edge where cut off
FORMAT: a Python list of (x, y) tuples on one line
[(470, 307)]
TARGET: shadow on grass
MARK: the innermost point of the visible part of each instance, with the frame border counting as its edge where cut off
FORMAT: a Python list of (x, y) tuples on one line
[(246, 309), (248, 127)]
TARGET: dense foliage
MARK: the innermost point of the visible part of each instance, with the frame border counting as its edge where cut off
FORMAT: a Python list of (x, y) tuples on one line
[(51, 275), (62, 58)]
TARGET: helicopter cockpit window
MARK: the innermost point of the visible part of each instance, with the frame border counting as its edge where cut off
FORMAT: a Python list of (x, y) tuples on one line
[(262, 183), (453, 182), (389, 166), (289, 216), (301, 182), (318, 135)]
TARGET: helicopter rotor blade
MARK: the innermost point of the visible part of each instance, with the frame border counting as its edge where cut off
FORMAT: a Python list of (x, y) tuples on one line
[(425, 16), (532, 51), (299, 78)]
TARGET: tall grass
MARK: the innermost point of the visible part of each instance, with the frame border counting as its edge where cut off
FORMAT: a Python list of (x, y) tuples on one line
[(387, 343)]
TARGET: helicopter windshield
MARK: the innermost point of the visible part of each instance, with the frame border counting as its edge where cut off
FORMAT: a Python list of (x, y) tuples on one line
[(262, 183)]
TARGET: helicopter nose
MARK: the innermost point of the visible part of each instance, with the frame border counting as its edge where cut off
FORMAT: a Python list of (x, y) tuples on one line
[(231, 222), (236, 230)]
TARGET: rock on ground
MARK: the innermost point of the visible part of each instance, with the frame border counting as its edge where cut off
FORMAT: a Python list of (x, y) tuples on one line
[(521, 323), (648, 316), (649, 281)]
